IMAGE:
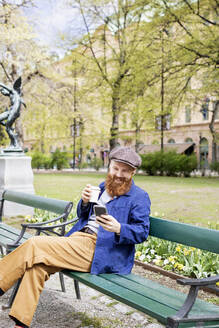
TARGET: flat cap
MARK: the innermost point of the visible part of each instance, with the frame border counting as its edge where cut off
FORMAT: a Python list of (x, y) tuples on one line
[(125, 155)]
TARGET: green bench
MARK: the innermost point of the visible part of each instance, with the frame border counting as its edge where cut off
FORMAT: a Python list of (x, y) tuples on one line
[(11, 237), (170, 307)]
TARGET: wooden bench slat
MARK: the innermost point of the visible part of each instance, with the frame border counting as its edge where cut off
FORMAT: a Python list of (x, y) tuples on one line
[(159, 293), (124, 288), (32, 200), (185, 234), (9, 234), (130, 298)]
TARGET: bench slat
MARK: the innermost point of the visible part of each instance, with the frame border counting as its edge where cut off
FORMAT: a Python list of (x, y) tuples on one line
[(9, 234), (120, 293), (185, 234), (159, 293), (138, 292), (49, 204)]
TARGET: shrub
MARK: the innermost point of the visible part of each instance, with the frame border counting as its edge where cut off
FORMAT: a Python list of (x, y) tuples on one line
[(215, 166), (152, 163), (170, 163), (97, 163), (40, 160), (59, 159), (37, 160), (187, 164)]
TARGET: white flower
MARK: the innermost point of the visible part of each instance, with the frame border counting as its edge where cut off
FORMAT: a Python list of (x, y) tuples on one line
[(165, 262), (152, 251), (148, 257), (158, 257), (142, 257)]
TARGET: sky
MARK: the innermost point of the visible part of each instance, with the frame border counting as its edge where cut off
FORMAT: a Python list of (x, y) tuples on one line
[(52, 20)]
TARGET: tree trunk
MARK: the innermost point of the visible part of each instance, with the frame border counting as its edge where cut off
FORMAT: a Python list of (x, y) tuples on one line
[(137, 136), (114, 130), (213, 132)]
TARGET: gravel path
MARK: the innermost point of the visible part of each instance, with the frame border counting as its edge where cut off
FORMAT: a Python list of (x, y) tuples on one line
[(94, 310)]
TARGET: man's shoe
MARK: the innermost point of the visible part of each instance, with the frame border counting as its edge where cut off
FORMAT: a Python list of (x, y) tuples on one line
[(1, 292)]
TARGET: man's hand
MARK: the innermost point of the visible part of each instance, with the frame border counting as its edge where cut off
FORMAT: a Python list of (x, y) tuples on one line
[(86, 194), (109, 223)]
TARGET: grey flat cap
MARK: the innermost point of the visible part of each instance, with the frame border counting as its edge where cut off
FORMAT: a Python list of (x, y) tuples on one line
[(125, 155)]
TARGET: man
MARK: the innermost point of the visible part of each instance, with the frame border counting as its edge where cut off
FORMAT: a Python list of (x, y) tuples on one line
[(104, 244)]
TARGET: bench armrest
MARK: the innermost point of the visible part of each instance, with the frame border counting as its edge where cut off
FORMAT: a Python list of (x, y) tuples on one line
[(199, 282), (43, 226), (29, 225)]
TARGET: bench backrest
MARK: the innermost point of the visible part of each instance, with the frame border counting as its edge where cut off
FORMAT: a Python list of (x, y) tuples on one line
[(44, 203), (186, 234)]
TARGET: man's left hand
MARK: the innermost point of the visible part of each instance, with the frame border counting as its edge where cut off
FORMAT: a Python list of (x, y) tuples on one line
[(109, 223)]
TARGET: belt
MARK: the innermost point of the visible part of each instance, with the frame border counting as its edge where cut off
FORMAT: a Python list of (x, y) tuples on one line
[(88, 230)]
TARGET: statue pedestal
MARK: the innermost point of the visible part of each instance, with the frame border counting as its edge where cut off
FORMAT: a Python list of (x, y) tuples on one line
[(16, 174)]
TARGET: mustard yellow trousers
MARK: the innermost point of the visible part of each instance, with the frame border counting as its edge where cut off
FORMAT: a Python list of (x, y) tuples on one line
[(35, 260)]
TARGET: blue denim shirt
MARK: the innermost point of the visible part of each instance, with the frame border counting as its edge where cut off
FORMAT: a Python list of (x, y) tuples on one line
[(115, 253)]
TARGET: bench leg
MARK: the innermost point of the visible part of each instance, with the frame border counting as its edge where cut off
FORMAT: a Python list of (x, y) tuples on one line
[(2, 251), (77, 289), (12, 297), (61, 278), (172, 323)]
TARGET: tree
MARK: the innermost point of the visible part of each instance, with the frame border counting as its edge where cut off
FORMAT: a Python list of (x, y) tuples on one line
[(16, 40), (111, 43), (198, 49)]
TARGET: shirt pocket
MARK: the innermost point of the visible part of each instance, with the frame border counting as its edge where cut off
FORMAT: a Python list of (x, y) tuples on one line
[(120, 212)]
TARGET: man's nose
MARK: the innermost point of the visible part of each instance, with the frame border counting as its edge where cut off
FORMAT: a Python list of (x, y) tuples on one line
[(119, 174)]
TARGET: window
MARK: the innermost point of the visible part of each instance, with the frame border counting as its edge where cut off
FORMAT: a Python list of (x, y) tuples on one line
[(188, 114), (188, 140), (171, 141), (205, 109), (166, 122)]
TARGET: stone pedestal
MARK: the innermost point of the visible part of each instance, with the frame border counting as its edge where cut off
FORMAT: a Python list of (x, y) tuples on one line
[(16, 174)]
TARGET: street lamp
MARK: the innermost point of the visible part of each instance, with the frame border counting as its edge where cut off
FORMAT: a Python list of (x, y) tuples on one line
[(75, 132)]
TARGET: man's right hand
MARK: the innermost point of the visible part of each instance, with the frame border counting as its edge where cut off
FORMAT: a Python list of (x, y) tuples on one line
[(86, 194)]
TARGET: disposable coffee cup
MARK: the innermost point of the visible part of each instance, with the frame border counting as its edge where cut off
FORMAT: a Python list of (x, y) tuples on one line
[(94, 194)]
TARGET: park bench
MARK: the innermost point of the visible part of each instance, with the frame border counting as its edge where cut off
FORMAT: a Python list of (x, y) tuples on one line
[(11, 237), (170, 307)]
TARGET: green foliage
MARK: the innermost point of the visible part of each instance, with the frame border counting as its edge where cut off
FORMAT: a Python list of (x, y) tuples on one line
[(170, 163), (37, 160), (152, 163), (188, 261), (97, 163), (215, 166), (187, 164), (59, 159)]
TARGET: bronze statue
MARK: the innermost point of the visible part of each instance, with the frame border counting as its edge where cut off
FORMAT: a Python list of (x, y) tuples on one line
[(9, 116)]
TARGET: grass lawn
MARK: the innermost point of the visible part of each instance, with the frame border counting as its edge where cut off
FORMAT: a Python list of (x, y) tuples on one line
[(191, 200)]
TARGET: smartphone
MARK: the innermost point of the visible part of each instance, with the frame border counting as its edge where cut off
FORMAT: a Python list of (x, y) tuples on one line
[(99, 210)]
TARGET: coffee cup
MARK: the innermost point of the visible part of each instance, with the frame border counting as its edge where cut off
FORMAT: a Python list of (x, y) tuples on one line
[(94, 194)]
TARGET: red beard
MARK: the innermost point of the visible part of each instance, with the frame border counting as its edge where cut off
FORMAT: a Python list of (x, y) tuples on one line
[(117, 186)]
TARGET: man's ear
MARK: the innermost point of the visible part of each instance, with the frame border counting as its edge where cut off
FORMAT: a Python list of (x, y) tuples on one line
[(133, 172)]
